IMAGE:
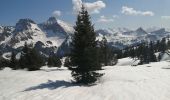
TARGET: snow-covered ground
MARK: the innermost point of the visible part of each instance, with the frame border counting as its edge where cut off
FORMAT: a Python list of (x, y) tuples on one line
[(120, 82)]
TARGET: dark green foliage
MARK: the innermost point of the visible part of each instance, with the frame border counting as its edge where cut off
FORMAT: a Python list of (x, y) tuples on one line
[(23, 61), (104, 51), (163, 46), (145, 52), (85, 77), (34, 59), (13, 61), (4, 63), (54, 61), (157, 46), (168, 44), (118, 53), (30, 59), (67, 62), (84, 54), (152, 56), (107, 57)]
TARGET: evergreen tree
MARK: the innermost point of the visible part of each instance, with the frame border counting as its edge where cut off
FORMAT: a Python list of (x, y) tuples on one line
[(84, 53), (143, 53), (23, 62), (54, 61), (157, 46), (4, 63), (168, 44), (163, 45), (152, 56), (13, 61), (30, 58), (104, 51), (107, 55), (132, 52), (35, 60), (50, 61), (67, 62)]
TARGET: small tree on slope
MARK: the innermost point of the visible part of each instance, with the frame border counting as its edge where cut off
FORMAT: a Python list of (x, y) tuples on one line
[(84, 53)]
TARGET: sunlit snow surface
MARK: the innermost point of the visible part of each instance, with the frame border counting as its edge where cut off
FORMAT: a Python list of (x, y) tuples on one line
[(120, 82)]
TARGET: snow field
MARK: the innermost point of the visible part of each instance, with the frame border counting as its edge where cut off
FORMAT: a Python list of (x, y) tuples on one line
[(120, 82)]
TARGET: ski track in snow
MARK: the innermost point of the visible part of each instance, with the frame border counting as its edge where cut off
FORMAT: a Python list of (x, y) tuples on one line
[(120, 82)]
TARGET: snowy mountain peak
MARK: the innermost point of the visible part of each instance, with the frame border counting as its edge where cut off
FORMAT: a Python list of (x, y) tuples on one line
[(51, 20), (52, 25), (24, 24), (160, 31), (141, 31), (103, 32), (58, 25)]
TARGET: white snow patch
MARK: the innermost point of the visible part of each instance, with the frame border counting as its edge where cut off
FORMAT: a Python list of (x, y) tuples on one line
[(67, 27), (165, 56), (7, 55), (127, 62)]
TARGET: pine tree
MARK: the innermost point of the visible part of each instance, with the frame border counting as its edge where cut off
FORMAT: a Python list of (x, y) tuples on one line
[(23, 62), (54, 61), (152, 56), (50, 61), (104, 51), (30, 59), (4, 63), (168, 44), (57, 62), (107, 56), (13, 61), (84, 53), (143, 53), (35, 60), (163, 45), (157, 46), (132, 52), (67, 62)]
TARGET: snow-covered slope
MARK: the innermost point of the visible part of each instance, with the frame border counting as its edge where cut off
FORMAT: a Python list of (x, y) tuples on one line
[(66, 26), (5, 33), (28, 31), (145, 82)]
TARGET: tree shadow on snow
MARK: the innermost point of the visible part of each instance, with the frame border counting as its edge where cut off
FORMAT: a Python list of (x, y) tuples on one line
[(50, 70), (51, 85), (165, 68)]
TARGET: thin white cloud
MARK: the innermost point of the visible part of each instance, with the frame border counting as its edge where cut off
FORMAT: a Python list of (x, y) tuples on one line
[(93, 7), (104, 19), (131, 11), (115, 16), (56, 13), (165, 17)]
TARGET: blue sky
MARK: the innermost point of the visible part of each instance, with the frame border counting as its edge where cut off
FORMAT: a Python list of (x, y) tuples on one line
[(104, 13)]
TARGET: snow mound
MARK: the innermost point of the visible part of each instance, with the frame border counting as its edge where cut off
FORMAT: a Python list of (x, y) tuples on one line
[(165, 57), (127, 62)]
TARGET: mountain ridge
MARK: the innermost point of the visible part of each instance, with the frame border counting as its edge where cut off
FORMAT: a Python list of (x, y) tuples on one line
[(55, 33)]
